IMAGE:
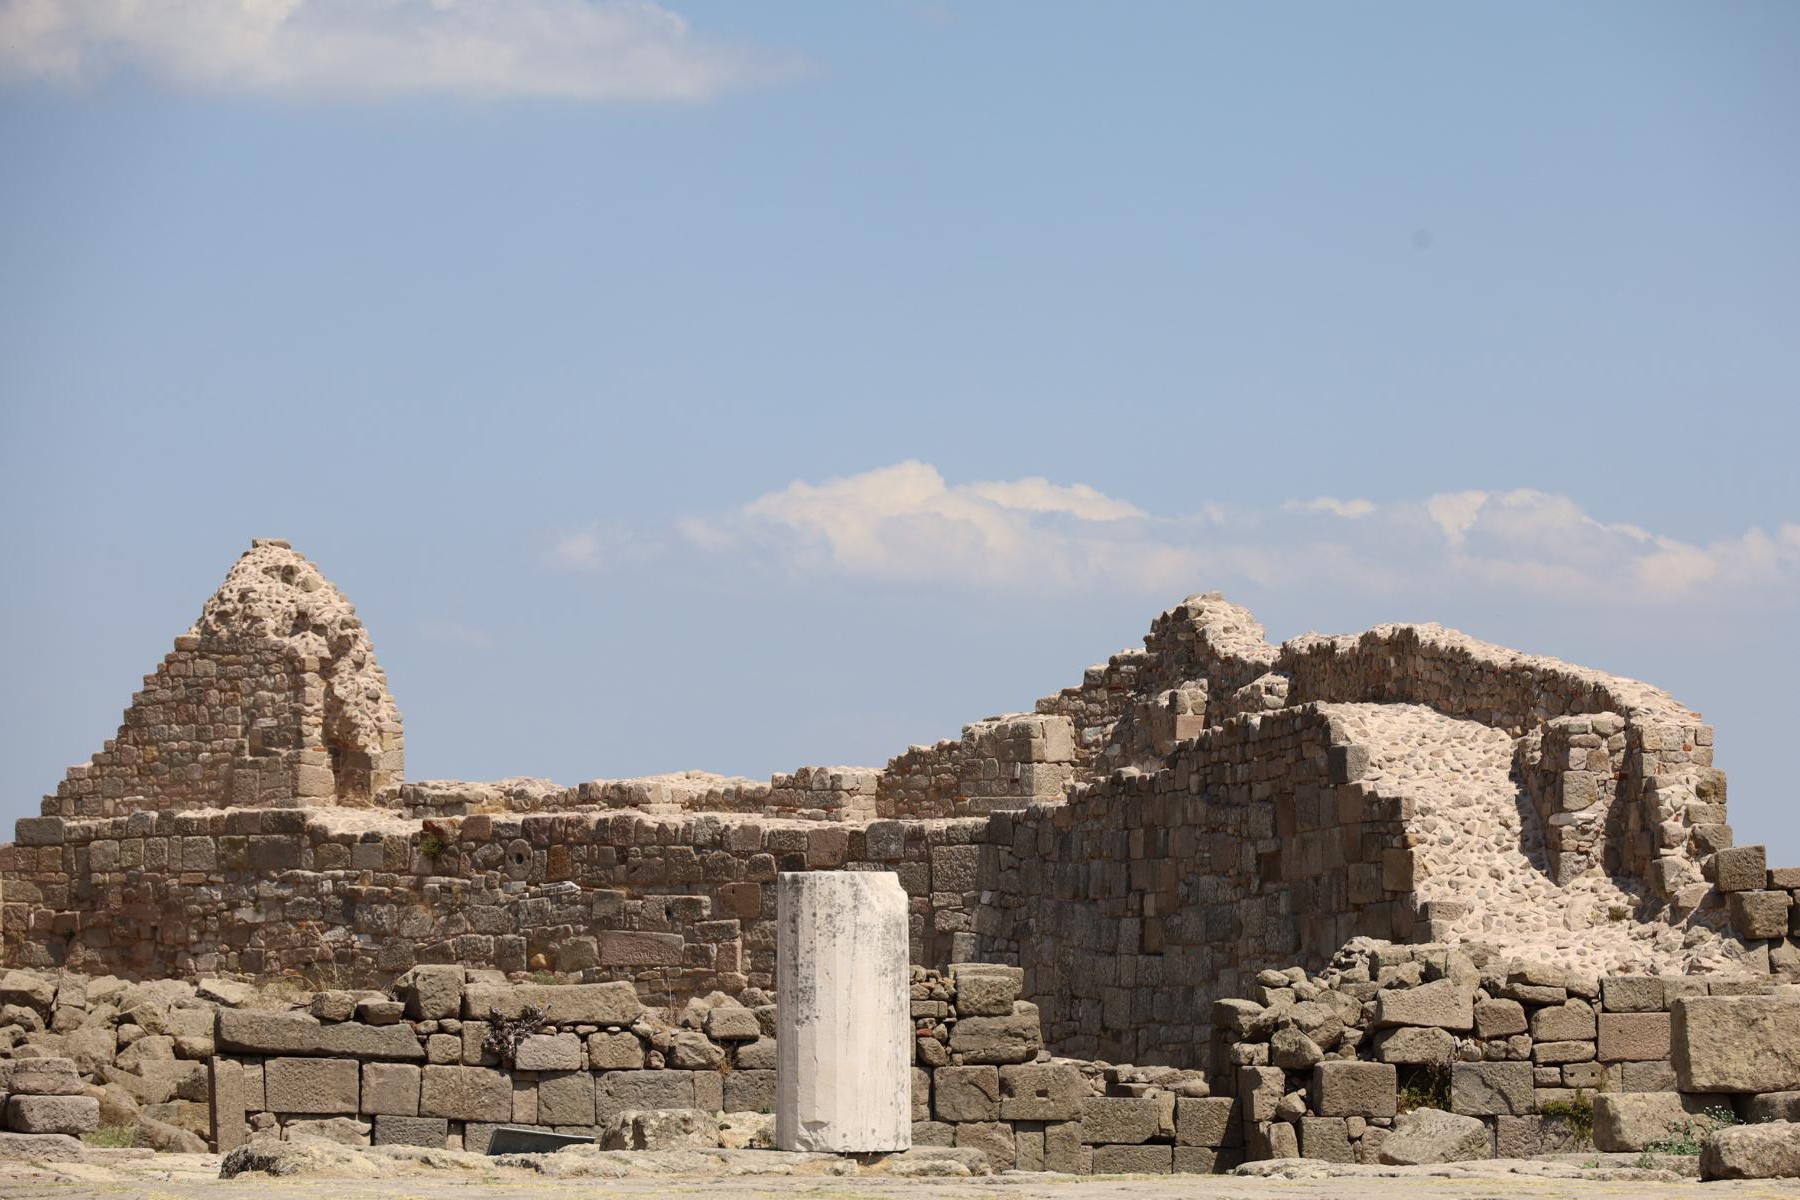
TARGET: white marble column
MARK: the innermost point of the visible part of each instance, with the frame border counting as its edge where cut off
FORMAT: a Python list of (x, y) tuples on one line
[(843, 1079)]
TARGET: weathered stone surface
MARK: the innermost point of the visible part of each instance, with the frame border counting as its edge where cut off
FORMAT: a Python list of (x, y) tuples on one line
[(1326, 1139), (566, 1098), (754, 1091), (666, 1129), (392, 1130), (1344, 1088), (732, 1023), (1428, 1135), (1415, 1046), (615, 1051), (1740, 868), (1487, 1089), (1010, 1039), (1570, 1022), (1121, 1119), (1736, 1043), (1632, 993), (1633, 1120), (74, 1115), (273, 1033), (568, 1004), (311, 1085), (1041, 1092), (465, 1094), (390, 1089), (622, 1091), (1635, 1035), (431, 992), (994, 1139), (550, 1052), (1772, 1106), (1133, 1160), (966, 1093), (41, 1147), (1208, 1121), (1444, 1004), (1769, 1151), (985, 994), (39, 1077)]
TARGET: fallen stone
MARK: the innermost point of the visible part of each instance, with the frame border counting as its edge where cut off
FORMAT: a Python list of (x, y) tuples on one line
[(668, 1129), (1770, 1151), (1626, 1121), (305, 1156), (157, 1135), (41, 1147), (1430, 1135)]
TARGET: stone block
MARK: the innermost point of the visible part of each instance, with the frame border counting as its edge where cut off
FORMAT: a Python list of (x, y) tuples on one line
[(1499, 1018), (1488, 1089), (1062, 1147), (566, 1098), (999, 1040), (1736, 1043), (1759, 915), (1443, 1003), (550, 1052), (1771, 1106), (432, 993), (395, 1130), (1557, 1053), (1646, 1077), (465, 1094), (390, 1089), (249, 1031), (985, 995), (966, 1093), (992, 1138), (1261, 1088), (1345, 1088), (709, 1091), (1414, 1045), (1428, 1135), (1630, 1121), (1208, 1121), (1752, 1152), (41, 1147), (1570, 1022), (40, 1077), (1133, 1160), (72, 1115), (1041, 1092), (732, 1023), (1121, 1119), (1326, 1139), (311, 1085), (1531, 1136), (568, 1004), (760, 1055), (1633, 1035), (616, 1051), (1740, 869), (1632, 993), (1205, 1160), (620, 1091), (670, 1129), (750, 1091)]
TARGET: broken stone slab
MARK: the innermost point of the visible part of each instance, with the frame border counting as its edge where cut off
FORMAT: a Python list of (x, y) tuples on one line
[(74, 1115), (1490, 1089), (1443, 1004), (567, 1004), (998, 1040), (662, 1129), (1430, 1135), (1770, 1151), (271, 1033)]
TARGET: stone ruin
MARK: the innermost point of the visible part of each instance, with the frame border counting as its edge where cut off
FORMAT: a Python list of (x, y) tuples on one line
[(1281, 878)]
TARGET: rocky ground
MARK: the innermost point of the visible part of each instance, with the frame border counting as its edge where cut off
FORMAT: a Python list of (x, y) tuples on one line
[(765, 1175)]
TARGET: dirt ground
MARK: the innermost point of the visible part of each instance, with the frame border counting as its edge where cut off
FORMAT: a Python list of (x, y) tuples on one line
[(180, 1177)]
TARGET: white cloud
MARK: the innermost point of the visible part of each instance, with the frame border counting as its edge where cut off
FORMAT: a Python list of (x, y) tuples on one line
[(626, 50), (599, 545), (906, 524), (1348, 509)]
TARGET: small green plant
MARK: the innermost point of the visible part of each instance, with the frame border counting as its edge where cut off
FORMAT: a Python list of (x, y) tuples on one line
[(1425, 1087), (1687, 1137), (111, 1137), (1617, 912), (430, 846), (547, 977), (1578, 1114)]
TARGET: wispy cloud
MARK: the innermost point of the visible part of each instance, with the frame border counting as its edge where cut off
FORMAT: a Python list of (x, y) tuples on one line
[(621, 50), (907, 524), (599, 545)]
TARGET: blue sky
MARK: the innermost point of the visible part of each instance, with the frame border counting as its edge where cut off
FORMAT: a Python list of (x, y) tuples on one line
[(736, 387)]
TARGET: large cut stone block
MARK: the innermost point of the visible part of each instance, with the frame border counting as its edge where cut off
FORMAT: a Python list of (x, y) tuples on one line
[(1639, 1036), (1490, 1089), (1208, 1121), (1443, 1003), (271, 1033), (568, 1004), (966, 1093), (1041, 1092), (1123, 1119), (1741, 868), (844, 1040), (1429, 1135), (1344, 1088), (73, 1115), (392, 1130), (550, 1052), (566, 1098), (311, 1085), (1632, 993), (1013, 1039), (621, 1091), (466, 1094), (1627, 1121), (1736, 1043), (1752, 1152), (1133, 1160), (390, 1089)]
